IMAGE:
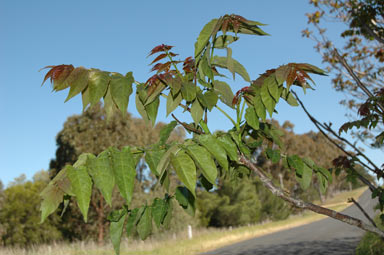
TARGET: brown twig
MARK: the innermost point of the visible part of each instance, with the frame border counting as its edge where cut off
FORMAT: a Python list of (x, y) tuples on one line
[(304, 205), (186, 126), (362, 210)]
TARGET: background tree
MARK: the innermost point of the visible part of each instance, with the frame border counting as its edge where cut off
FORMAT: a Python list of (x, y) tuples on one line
[(362, 49), (19, 214), (91, 133)]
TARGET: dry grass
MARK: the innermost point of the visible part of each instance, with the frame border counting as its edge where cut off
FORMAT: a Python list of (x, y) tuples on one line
[(204, 239)]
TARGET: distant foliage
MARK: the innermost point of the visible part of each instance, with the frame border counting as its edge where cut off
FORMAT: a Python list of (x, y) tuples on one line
[(19, 216)]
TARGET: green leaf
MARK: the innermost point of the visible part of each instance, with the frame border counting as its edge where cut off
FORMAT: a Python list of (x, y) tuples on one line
[(251, 118), (205, 183), (165, 159), (140, 108), (152, 110), (197, 111), (152, 158), (101, 172), (203, 38), (296, 163), (124, 168), (273, 87), (173, 102), (273, 155), (159, 210), (131, 221), (53, 194), (230, 62), (282, 73), (306, 177), (223, 41), (237, 67), (175, 85), (144, 227), (166, 131), (109, 105), (85, 98), (188, 90), (155, 94), (121, 89), (212, 145), (223, 90), (77, 80), (267, 100), (229, 146), (186, 200), (185, 169), (81, 184), (204, 161), (97, 85), (168, 216), (241, 145), (116, 231), (205, 68), (210, 99), (323, 183), (289, 98), (259, 107), (116, 215)]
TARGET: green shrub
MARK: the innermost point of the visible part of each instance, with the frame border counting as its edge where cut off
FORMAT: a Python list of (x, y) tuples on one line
[(371, 244)]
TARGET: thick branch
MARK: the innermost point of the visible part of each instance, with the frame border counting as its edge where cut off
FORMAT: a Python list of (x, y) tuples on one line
[(357, 80), (304, 205), (320, 127)]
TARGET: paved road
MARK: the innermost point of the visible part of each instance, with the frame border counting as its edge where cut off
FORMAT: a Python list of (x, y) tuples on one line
[(327, 236)]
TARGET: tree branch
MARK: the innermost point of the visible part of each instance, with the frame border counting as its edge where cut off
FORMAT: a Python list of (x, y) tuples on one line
[(357, 80), (304, 205), (362, 210), (188, 127), (320, 126)]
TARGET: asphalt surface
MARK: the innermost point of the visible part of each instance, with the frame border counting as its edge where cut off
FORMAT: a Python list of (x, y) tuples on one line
[(327, 236)]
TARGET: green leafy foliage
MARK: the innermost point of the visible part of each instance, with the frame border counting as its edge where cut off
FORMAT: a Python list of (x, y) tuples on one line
[(212, 156), (116, 230), (185, 169), (102, 174), (124, 168), (81, 184), (204, 161), (186, 199)]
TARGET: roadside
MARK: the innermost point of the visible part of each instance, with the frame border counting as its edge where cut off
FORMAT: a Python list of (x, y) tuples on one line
[(203, 239)]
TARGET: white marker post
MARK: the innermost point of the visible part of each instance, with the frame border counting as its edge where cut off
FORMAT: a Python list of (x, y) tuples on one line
[(189, 231)]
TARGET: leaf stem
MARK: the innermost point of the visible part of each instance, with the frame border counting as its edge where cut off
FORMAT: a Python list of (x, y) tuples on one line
[(229, 117)]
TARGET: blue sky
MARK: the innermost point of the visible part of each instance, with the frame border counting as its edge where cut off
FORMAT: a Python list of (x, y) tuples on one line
[(117, 36)]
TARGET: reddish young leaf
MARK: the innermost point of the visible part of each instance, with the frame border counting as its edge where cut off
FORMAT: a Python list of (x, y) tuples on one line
[(160, 48), (59, 72), (189, 65), (161, 56), (291, 77)]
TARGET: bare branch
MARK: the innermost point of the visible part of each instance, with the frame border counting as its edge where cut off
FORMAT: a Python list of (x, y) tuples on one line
[(188, 127), (304, 205), (355, 78), (362, 210)]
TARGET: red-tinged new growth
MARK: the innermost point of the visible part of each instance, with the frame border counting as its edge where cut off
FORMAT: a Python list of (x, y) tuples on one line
[(240, 93), (160, 48), (59, 72)]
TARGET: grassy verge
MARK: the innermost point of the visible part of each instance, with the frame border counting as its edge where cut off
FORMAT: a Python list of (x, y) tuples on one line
[(203, 240)]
